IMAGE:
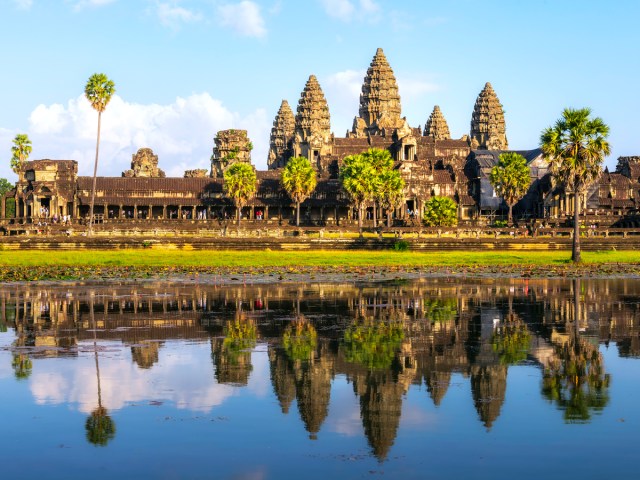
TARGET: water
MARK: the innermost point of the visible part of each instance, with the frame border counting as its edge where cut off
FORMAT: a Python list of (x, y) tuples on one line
[(430, 379)]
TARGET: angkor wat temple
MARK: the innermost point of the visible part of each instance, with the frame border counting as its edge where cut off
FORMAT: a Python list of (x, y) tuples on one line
[(430, 161)]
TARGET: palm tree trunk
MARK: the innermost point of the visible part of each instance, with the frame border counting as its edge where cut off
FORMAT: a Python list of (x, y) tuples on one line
[(360, 218), (575, 255), (375, 214), (389, 214), (238, 209), (297, 214), (510, 218), (95, 172)]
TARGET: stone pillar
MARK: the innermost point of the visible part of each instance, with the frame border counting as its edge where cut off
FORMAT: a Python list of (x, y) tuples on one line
[(150, 212), (252, 215), (164, 212), (135, 211), (266, 212), (193, 213), (179, 212)]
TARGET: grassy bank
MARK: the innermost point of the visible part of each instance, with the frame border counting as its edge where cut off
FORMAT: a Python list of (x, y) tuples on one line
[(96, 264), (168, 258)]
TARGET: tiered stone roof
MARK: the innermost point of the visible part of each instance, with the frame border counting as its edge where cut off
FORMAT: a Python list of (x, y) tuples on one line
[(488, 130), (380, 101), (436, 127), (312, 117), (282, 132)]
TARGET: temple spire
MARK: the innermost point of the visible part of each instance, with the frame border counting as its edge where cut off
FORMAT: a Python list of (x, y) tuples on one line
[(379, 101), (313, 137), (281, 135), (488, 129), (436, 127)]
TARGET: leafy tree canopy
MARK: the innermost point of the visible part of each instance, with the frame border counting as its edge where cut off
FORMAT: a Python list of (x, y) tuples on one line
[(441, 212)]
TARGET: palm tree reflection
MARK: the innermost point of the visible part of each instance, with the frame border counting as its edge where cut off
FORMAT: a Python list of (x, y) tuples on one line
[(100, 426)]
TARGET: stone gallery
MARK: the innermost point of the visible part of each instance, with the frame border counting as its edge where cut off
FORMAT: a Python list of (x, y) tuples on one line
[(429, 160)]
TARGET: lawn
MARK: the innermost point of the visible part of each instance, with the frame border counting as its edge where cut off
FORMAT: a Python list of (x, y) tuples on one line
[(319, 258)]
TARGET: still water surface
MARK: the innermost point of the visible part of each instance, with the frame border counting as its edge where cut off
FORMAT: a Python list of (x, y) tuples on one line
[(431, 379)]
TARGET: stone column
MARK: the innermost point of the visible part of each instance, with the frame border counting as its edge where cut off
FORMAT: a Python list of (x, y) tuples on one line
[(193, 213), (135, 211), (164, 212), (266, 212), (150, 212), (179, 212)]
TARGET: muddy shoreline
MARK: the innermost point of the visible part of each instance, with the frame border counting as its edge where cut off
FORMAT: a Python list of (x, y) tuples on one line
[(270, 275)]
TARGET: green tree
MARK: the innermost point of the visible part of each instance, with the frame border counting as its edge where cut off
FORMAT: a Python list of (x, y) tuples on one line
[(20, 152), (390, 192), (510, 179), (441, 212), (358, 179), (5, 186), (240, 184), (575, 148), (98, 90), (382, 163), (373, 343), (299, 180)]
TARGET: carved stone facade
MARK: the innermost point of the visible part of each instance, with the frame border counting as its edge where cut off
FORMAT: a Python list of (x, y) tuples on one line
[(488, 130), (144, 164), (379, 101), (313, 137), (282, 132), (436, 126), (196, 173), (232, 146)]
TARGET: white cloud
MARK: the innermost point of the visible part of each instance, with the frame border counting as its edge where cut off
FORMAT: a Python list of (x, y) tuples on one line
[(244, 17), (23, 4), (342, 90), (172, 15), (180, 133), (79, 5), (349, 10), (415, 87)]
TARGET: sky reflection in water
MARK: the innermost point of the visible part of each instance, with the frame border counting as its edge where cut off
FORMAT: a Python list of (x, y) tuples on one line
[(432, 379)]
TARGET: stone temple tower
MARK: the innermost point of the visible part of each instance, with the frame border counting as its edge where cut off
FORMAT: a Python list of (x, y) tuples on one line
[(488, 129), (282, 133), (436, 127), (379, 101), (313, 125), (232, 146)]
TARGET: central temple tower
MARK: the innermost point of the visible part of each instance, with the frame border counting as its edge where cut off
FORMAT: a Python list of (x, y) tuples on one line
[(379, 101)]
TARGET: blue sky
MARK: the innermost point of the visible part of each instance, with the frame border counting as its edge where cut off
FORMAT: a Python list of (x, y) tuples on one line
[(186, 69)]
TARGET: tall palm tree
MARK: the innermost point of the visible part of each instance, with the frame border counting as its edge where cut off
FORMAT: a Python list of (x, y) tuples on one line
[(20, 152), (359, 180), (381, 162), (299, 180), (99, 90), (575, 148), (510, 179), (390, 192), (240, 184)]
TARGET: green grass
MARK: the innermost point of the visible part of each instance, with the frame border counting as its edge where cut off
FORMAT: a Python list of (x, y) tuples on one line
[(247, 259)]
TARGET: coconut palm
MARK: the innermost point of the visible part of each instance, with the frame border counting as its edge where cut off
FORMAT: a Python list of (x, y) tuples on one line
[(390, 192), (359, 180), (240, 184), (99, 90), (20, 152), (299, 180), (575, 148), (510, 179), (441, 212), (381, 162)]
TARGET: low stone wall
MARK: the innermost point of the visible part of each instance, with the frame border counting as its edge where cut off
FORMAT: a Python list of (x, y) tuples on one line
[(305, 242)]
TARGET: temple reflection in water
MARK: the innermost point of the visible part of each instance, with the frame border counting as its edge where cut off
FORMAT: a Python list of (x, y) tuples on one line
[(382, 338)]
